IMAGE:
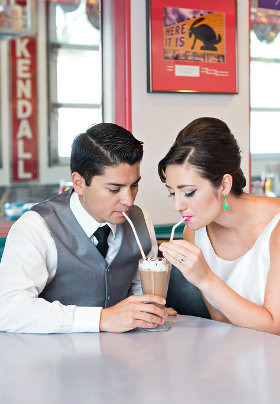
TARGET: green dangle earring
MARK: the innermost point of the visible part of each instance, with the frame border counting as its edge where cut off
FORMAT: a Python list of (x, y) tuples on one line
[(225, 205)]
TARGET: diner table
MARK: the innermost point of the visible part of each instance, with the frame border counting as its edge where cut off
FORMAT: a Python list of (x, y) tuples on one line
[(197, 361)]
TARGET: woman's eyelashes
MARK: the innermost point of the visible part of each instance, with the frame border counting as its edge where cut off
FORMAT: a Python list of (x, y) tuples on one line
[(187, 194)]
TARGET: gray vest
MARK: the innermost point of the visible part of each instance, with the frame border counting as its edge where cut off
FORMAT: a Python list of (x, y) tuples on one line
[(82, 276)]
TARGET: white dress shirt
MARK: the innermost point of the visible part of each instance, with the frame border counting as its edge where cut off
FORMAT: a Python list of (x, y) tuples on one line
[(29, 263)]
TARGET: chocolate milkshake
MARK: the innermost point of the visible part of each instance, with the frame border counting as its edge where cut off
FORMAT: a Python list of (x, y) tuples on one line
[(155, 273)]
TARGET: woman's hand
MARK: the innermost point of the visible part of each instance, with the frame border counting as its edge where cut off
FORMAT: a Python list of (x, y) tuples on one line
[(189, 260)]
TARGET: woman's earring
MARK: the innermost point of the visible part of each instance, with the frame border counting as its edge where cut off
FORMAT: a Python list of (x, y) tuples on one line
[(225, 205)]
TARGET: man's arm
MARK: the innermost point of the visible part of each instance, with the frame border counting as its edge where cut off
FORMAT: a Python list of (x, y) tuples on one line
[(28, 263)]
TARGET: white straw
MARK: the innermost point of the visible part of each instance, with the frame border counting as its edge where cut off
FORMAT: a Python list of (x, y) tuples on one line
[(174, 227), (135, 234)]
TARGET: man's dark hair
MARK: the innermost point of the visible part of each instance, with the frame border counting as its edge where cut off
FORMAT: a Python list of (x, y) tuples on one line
[(208, 145), (103, 145)]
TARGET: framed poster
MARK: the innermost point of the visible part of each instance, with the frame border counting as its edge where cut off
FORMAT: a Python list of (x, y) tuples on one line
[(192, 46)]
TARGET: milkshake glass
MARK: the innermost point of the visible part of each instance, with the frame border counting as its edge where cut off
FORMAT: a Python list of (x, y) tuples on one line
[(155, 274)]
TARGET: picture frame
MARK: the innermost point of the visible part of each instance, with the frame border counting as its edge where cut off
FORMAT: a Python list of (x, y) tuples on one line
[(192, 46)]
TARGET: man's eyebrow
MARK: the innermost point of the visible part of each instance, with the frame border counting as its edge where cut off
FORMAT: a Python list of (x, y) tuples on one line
[(138, 179), (115, 184)]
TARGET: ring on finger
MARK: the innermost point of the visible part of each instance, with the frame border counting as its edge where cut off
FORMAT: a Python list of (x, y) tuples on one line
[(181, 259)]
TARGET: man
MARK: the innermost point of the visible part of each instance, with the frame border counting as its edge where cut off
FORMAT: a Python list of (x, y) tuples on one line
[(57, 273)]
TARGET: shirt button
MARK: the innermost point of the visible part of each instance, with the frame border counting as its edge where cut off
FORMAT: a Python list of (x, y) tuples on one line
[(108, 269)]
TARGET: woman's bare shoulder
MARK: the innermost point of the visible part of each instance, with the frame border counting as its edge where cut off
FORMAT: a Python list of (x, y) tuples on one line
[(267, 207)]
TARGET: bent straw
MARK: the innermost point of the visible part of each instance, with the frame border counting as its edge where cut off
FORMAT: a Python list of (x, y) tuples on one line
[(185, 219), (135, 234)]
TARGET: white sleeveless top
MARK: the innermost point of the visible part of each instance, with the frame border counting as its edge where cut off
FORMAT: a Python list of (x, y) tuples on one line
[(247, 275)]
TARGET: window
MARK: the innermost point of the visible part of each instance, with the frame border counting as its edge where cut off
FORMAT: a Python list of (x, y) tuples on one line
[(75, 73), (265, 101), (265, 84)]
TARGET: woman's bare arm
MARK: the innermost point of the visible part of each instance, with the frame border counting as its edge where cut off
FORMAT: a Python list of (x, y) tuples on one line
[(234, 307)]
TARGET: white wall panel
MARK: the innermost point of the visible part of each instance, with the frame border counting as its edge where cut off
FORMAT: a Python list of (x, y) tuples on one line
[(157, 117)]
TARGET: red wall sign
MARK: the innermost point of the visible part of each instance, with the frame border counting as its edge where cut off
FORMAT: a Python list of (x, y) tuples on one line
[(24, 109)]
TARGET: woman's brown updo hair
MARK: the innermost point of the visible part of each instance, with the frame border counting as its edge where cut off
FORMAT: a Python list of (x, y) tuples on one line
[(208, 145)]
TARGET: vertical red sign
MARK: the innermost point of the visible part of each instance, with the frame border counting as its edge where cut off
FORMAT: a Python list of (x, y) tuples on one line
[(23, 60)]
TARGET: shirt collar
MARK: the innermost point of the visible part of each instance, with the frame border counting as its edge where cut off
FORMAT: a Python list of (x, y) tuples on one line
[(85, 220)]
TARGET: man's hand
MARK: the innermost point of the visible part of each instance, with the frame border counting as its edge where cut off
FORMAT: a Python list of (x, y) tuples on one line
[(171, 312), (135, 311)]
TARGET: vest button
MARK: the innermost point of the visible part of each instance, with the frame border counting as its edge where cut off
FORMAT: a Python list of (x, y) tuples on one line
[(109, 297)]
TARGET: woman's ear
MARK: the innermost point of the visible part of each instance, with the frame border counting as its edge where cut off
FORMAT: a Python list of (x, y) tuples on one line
[(226, 184), (79, 183)]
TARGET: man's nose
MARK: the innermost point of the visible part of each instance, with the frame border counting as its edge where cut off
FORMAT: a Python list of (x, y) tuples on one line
[(127, 198)]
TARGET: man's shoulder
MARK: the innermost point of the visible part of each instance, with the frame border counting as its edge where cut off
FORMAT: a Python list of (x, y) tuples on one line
[(28, 220), (136, 208), (56, 202), (144, 211), (137, 211), (142, 214)]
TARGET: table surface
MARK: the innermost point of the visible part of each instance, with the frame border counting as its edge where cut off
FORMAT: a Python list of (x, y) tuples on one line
[(196, 361)]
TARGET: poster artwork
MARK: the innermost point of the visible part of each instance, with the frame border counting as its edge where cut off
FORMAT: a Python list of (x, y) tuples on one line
[(194, 35), (192, 49), (269, 4)]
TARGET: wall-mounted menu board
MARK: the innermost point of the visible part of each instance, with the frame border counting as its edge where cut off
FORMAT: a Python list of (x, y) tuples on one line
[(17, 18)]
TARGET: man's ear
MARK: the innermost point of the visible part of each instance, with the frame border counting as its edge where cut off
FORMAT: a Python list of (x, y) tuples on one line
[(79, 183)]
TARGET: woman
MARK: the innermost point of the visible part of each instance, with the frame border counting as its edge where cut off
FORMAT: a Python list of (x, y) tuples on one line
[(231, 245)]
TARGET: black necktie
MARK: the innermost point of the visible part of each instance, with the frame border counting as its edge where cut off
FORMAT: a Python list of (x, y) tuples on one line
[(102, 234)]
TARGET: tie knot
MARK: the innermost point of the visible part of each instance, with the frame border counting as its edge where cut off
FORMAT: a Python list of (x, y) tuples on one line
[(102, 233)]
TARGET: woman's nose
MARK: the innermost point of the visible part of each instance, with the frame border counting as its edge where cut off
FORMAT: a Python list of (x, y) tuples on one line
[(179, 205)]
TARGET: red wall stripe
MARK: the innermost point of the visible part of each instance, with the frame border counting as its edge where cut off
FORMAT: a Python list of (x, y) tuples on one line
[(123, 110)]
